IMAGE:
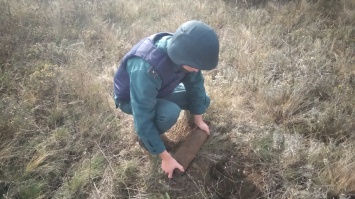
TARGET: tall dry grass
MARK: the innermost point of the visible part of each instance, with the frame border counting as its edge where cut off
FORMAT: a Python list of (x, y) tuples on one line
[(282, 110)]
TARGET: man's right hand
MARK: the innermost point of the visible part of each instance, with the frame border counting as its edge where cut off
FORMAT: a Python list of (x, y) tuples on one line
[(169, 164)]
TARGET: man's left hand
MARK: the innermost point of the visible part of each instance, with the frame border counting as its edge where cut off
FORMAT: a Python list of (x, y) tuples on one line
[(201, 124)]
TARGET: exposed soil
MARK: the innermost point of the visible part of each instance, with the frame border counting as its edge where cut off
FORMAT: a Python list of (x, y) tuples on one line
[(207, 178)]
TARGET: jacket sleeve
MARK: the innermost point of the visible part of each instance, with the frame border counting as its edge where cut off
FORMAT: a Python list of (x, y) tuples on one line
[(144, 86), (195, 92)]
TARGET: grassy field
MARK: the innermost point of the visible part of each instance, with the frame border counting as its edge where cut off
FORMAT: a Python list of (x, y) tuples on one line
[(282, 112)]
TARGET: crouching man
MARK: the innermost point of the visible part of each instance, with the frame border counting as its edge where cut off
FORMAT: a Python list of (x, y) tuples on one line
[(160, 76)]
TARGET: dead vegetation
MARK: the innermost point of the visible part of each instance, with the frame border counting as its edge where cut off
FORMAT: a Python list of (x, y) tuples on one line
[(282, 112)]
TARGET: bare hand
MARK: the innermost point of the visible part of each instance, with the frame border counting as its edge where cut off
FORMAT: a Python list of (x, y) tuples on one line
[(169, 164), (201, 124)]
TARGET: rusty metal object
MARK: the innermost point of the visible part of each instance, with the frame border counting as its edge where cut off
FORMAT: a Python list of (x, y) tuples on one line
[(189, 149)]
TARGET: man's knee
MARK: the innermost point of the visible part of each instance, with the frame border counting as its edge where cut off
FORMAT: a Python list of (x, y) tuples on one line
[(172, 114), (167, 114), (207, 101)]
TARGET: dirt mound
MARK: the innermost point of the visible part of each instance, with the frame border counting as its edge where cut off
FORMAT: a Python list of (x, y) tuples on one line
[(206, 178)]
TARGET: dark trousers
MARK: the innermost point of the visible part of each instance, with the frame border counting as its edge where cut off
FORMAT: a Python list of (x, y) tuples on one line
[(167, 110)]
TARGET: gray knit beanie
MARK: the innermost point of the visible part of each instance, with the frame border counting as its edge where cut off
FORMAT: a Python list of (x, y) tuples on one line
[(194, 44)]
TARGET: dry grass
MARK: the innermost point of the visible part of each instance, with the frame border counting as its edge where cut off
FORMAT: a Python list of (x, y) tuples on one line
[(282, 110)]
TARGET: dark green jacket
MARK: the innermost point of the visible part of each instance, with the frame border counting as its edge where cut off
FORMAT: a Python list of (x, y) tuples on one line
[(143, 93)]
